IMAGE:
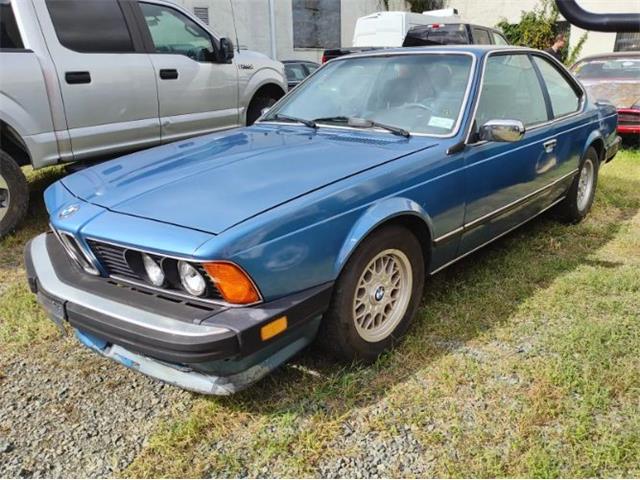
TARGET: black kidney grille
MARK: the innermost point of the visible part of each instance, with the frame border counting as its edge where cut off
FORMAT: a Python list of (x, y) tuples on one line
[(112, 259)]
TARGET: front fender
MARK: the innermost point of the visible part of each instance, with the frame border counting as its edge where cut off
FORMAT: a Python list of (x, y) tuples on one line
[(377, 214), (263, 76)]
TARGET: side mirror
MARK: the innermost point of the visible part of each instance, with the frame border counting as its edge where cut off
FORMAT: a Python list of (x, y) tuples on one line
[(264, 111), (225, 55), (502, 131)]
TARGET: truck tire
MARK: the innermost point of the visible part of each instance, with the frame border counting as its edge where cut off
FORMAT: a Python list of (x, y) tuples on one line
[(256, 106), (14, 194)]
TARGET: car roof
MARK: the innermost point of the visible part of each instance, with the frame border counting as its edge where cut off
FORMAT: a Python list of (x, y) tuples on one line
[(630, 53), (479, 50), (426, 26)]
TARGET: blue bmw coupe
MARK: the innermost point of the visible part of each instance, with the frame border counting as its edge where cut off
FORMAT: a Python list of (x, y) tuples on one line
[(207, 263)]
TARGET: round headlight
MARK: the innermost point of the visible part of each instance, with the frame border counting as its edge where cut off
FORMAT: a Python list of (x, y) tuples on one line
[(192, 281), (153, 270)]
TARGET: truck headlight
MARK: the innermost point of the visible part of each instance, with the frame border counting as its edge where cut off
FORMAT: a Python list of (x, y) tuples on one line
[(153, 270), (192, 281)]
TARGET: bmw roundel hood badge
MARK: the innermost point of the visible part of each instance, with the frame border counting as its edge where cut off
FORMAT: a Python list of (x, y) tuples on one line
[(66, 212)]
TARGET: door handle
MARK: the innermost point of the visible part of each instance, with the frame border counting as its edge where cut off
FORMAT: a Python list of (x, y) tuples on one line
[(74, 78), (168, 74), (549, 145)]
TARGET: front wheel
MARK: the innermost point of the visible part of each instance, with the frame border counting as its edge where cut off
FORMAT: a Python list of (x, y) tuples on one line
[(14, 194), (376, 296), (579, 199), (258, 104)]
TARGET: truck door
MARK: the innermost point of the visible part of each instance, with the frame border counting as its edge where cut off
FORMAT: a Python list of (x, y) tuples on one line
[(107, 80), (197, 95)]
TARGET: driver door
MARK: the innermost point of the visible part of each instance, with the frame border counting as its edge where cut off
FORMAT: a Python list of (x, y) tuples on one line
[(196, 95), (509, 182)]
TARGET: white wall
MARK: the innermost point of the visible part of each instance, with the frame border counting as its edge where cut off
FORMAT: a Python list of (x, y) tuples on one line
[(252, 22)]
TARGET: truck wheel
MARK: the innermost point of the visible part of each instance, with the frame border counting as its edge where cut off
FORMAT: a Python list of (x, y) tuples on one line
[(580, 196), (257, 105), (14, 194), (375, 297)]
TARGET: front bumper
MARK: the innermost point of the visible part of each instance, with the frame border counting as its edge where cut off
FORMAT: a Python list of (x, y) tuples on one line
[(213, 349)]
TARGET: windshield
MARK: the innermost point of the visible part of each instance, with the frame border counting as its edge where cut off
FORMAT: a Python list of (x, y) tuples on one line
[(421, 93), (612, 67)]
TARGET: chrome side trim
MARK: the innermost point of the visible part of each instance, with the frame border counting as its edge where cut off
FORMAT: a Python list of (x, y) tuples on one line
[(448, 235), (53, 285), (483, 218), (497, 237), (504, 208)]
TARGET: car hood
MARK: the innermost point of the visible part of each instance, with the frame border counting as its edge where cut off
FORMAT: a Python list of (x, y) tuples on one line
[(622, 93), (217, 181)]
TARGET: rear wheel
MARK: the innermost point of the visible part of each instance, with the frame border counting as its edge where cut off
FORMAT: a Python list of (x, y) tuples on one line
[(376, 296), (579, 199), (14, 194)]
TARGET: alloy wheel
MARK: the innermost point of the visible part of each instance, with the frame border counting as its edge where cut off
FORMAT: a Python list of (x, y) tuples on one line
[(585, 184), (382, 295)]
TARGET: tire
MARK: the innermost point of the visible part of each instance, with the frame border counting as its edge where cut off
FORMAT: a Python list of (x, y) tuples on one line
[(345, 332), (14, 194), (580, 195), (257, 105)]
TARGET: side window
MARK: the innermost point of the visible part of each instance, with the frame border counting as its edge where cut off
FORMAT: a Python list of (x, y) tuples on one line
[(90, 26), (295, 71), (311, 67), (173, 32), (9, 33), (564, 99), (499, 39), (481, 36), (511, 91)]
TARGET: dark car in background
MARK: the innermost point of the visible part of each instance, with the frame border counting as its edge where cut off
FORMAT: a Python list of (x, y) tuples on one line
[(434, 34), (298, 70), (453, 34), (614, 77)]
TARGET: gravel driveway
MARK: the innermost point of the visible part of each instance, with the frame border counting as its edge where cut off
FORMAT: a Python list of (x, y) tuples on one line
[(65, 412)]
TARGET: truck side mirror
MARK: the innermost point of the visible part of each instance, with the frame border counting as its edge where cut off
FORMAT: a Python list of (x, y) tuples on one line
[(225, 54)]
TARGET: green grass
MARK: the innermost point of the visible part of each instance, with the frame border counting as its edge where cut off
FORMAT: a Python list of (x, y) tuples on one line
[(22, 321), (522, 362)]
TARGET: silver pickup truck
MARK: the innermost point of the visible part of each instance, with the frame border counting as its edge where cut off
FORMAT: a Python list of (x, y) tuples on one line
[(90, 79)]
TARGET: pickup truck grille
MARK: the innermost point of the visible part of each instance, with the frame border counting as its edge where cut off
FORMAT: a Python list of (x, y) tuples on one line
[(113, 260)]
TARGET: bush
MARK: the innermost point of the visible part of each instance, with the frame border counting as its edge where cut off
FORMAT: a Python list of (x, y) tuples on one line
[(538, 28)]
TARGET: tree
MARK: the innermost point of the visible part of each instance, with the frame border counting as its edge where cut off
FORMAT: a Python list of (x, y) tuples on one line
[(419, 6), (537, 29)]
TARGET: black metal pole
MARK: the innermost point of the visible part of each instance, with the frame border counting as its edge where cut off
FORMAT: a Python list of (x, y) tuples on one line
[(599, 22)]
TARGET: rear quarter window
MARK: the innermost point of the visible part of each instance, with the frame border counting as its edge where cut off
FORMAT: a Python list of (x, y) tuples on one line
[(564, 98), (90, 26)]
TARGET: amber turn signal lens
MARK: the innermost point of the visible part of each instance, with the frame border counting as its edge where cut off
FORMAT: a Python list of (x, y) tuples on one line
[(272, 329), (234, 285)]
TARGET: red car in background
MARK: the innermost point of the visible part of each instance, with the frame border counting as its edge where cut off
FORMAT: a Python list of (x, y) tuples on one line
[(614, 77)]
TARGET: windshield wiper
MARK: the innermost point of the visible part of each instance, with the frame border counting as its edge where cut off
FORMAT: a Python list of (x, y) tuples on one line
[(364, 123), (287, 118)]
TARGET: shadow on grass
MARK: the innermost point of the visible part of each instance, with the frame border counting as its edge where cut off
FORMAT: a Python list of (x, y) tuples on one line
[(473, 296)]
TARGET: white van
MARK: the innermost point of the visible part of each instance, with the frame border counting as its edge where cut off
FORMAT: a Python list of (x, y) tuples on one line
[(388, 29)]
